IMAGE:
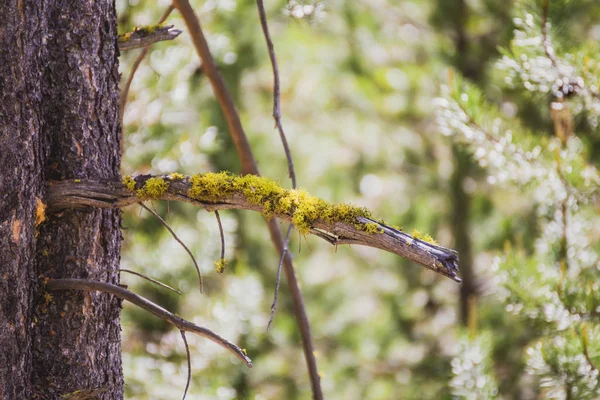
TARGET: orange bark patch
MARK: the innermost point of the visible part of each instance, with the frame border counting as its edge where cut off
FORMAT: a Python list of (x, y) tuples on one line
[(16, 230), (40, 212)]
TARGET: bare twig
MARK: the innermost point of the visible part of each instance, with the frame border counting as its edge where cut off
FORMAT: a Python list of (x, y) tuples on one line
[(134, 68), (276, 91), (145, 36), (180, 323), (189, 363), (283, 253), (162, 221), (69, 194), (159, 283), (221, 234), (249, 167), (288, 154)]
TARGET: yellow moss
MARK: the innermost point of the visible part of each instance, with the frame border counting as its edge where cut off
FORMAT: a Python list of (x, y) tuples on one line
[(154, 188), (304, 208), (221, 265), (425, 237), (176, 176), (142, 31), (129, 182), (211, 186), (77, 180), (371, 227)]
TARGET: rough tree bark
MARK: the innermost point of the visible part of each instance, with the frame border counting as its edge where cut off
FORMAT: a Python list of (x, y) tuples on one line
[(58, 120)]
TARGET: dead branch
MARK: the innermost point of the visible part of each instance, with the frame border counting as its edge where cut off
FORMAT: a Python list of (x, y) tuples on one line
[(134, 68), (180, 323), (69, 194), (144, 36)]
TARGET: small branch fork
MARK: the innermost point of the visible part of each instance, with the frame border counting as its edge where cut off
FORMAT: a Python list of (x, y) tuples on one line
[(70, 194), (162, 221), (182, 324), (134, 68)]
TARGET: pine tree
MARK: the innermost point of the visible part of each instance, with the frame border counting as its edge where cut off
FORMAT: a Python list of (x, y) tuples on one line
[(537, 141)]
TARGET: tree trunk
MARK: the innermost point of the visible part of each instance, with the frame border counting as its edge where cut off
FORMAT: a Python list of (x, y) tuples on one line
[(58, 120)]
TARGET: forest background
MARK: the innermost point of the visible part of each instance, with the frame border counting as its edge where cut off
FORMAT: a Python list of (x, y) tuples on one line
[(367, 89)]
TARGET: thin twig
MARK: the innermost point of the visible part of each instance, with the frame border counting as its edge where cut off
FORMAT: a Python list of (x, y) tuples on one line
[(156, 282), (283, 253), (189, 363), (276, 91), (162, 221), (134, 68), (249, 167), (180, 323), (221, 234), (288, 154)]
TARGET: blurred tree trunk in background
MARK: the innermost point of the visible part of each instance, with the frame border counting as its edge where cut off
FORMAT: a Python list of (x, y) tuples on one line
[(58, 120), (470, 56)]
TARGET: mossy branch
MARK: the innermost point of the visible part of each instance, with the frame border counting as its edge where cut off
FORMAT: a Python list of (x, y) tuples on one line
[(336, 223), (143, 36)]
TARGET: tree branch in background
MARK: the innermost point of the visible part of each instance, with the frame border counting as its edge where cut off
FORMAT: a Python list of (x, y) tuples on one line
[(162, 221), (356, 228), (548, 49), (180, 323), (276, 91), (249, 167)]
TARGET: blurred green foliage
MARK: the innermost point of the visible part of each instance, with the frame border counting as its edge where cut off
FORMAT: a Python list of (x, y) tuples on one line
[(360, 87)]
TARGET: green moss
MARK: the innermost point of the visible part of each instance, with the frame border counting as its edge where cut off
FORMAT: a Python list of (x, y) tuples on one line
[(304, 208), (371, 227), (425, 237), (176, 176), (154, 188), (221, 265), (211, 186), (129, 182), (141, 31)]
